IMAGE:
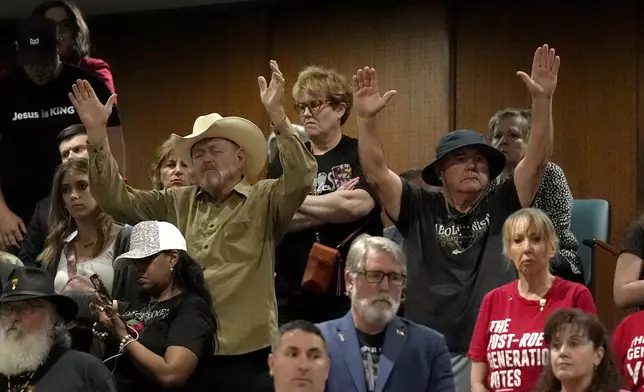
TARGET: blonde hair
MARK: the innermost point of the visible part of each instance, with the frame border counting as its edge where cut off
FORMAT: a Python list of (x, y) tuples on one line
[(61, 224), (536, 220), (327, 84), (357, 256), (160, 156)]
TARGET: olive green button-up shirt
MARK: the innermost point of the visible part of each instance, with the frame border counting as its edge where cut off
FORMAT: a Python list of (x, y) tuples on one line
[(234, 240)]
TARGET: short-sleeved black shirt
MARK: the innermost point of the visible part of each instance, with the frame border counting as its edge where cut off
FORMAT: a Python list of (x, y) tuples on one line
[(453, 259), (31, 116), (184, 320)]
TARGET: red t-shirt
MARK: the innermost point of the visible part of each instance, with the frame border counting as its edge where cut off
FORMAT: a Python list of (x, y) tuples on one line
[(508, 334), (100, 68), (628, 342)]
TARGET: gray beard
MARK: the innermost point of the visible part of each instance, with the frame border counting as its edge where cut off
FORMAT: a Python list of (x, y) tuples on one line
[(373, 314), (19, 355)]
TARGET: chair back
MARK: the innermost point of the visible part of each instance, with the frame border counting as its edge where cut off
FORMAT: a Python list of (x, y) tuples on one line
[(590, 221)]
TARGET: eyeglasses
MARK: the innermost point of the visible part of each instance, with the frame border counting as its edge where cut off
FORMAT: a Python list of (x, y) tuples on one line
[(394, 278), (21, 308), (313, 106)]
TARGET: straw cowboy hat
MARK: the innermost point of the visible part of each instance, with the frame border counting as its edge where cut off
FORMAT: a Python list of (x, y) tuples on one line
[(236, 129)]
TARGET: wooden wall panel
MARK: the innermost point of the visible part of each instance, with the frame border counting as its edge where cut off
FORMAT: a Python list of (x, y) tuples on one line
[(172, 66), (408, 44), (595, 107)]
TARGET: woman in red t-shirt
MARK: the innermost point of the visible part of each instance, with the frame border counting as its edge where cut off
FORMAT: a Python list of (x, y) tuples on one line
[(628, 343), (508, 348), (74, 38)]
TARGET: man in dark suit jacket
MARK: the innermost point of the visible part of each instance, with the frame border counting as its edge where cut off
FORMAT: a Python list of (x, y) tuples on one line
[(373, 350)]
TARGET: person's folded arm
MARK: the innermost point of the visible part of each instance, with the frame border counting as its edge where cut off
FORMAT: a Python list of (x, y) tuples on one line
[(340, 206), (303, 221), (291, 188)]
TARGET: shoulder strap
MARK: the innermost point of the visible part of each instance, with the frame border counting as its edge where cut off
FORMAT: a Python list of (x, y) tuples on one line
[(350, 237)]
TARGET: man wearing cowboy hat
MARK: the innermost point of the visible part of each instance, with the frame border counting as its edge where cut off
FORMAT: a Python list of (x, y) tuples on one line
[(230, 227), (34, 342), (453, 237)]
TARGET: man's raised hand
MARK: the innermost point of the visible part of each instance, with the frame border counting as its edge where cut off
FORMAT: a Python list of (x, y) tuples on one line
[(272, 95), (91, 111), (367, 100), (542, 81)]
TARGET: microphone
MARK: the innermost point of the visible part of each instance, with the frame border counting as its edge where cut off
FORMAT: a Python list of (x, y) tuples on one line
[(542, 303)]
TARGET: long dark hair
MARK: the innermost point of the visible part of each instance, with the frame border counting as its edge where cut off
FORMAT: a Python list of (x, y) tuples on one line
[(188, 275), (82, 42), (61, 224), (606, 377)]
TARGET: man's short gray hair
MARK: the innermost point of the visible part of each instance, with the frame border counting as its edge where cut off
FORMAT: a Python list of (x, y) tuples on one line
[(357, 257)]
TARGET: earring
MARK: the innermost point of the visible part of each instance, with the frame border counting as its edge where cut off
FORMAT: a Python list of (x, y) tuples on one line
[(171, 269)]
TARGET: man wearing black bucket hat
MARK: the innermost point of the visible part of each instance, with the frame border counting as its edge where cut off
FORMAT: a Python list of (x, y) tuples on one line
[(34, 342), (453, 237)]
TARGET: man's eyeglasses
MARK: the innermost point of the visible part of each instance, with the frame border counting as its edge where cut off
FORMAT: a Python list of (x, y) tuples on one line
[(21, 308), (394, 278), (313, 106)]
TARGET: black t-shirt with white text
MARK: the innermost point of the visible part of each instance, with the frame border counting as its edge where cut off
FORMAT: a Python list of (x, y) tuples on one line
[(183, 320), (31, 116), (371, 349), (334, 168), (453, 259), (65, 371)]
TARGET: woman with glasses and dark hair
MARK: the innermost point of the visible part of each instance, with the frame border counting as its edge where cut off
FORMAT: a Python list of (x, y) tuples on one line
[(580, 357), (74, 38), (164, 340), (507, 349)]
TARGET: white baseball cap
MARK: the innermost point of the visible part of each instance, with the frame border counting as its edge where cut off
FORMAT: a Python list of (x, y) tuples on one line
[(149, 238)]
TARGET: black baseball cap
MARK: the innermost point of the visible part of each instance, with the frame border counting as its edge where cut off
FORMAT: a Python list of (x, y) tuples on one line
[(36, 41)]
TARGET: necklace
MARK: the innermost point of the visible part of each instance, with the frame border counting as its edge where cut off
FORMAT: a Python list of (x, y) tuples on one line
[(25, 388)]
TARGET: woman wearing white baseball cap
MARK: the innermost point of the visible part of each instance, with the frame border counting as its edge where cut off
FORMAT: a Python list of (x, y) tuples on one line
[(165, 337)]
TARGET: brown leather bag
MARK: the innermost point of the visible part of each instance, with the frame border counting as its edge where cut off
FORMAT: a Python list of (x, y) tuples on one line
[(319, 268), (323, 261)]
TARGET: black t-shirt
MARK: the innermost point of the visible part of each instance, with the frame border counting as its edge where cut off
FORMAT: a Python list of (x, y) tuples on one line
[(292, 252), (454, 259), (371, 348), (67, 371), (31, 116), (633, 241), (184, 320)]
